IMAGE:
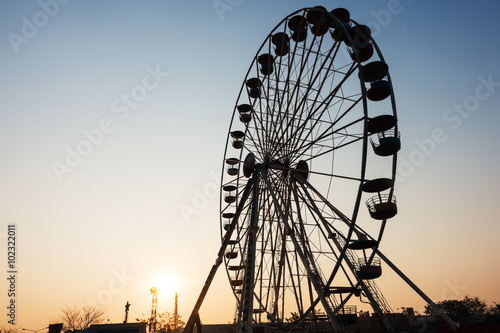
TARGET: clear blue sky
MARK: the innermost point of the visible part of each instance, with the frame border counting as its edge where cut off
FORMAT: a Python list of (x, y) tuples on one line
[(107, 224)]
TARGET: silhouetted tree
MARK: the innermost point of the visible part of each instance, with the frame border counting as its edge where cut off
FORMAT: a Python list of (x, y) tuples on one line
[(467, 310), (493, 315), (80, 318), (494, 309), (165, 322), (294, 317), (9, 329)]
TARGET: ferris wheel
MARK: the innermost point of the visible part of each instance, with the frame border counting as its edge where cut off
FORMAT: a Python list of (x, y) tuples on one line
[(313, 134), (309, 176)]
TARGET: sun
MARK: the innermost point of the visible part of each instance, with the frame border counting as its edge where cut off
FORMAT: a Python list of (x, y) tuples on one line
[(167, 284)]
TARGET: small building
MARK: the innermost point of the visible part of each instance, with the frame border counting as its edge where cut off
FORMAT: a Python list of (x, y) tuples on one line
[(117, 328), (218, 328)]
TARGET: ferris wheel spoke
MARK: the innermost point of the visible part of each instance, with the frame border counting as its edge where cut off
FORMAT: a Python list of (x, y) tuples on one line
[(269, 251), (293, 284), (304, 58), (302, 73), (311, 110), (320, 225), (261, 109), (287, 93), (318, 89), (275, 108), (327, 134), (254, 139), (315, 75), (308, 127), (341, 216), (330, 175), (253, 145), (300, 107), (275, 97), (317, 113), (328, 150), (257, 137), (303, 182), (280, 277), (328, 131), (331, 233), (265, 110), (295, 81), (266, 268), (294, 273)]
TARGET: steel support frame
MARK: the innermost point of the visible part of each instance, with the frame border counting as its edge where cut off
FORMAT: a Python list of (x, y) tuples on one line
[(306, 262)]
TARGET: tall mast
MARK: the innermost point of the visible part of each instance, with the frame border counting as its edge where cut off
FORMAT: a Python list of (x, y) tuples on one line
[(152, 322), (175, 313)]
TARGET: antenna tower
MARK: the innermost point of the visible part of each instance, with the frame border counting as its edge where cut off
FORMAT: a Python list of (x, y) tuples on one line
[(176, 314), (154, 305)]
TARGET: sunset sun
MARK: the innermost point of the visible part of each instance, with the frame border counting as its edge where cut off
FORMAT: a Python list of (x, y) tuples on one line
[(166, 284)]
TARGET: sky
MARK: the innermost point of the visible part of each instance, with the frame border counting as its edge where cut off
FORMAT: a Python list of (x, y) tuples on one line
[(113, 122)]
